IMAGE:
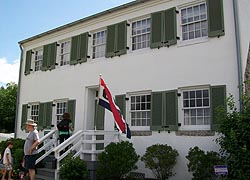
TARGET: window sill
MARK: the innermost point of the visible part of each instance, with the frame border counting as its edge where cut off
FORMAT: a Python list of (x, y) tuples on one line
[(192, 41), (141, 133), (195, 133)]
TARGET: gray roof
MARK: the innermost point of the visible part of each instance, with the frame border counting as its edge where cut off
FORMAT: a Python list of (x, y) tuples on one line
[(84, 19)]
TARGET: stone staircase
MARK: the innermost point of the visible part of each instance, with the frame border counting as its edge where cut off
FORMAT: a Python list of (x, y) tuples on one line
[(47, 172)]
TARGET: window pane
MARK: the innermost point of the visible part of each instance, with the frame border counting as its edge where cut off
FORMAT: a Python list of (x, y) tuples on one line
[(192, 17)]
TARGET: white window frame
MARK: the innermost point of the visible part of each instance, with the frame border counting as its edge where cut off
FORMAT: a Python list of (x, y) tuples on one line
[(179, 27), (63, 54), (128, 115), (146, 33), (65, 109), (181, 107), (36, 60), (100, 44), (31, 114)]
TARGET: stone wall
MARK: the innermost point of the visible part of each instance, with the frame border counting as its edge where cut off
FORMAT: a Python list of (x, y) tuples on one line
[(247, 74)]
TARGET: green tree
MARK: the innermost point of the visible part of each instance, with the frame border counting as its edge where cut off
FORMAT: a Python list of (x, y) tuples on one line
[(160, 158), (8, 97), (235, 138), (117, 160), (73, 168), (202, 164)]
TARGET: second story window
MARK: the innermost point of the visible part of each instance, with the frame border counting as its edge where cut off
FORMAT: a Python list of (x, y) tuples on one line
[(38, 59), (194, 22), (64, 53), (140, 34), (99, 44)]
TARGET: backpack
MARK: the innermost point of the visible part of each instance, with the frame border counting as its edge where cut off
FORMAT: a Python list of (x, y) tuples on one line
[(63, 125)]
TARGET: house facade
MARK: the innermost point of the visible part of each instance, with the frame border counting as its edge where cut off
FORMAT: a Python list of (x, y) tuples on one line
[(169, 64)]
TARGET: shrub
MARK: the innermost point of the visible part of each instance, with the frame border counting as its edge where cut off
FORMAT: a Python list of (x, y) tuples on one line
[(161, 160), (202, 164), (16, 151), (117, 160), (73, 168)]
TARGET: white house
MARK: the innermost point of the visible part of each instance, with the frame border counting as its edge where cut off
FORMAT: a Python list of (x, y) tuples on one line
[(169, 64)]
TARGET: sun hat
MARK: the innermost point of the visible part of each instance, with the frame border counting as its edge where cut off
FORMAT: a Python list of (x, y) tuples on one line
[(30, 122)]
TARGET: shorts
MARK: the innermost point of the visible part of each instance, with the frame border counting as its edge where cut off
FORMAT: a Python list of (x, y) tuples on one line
[(30, 161), (8, 167)]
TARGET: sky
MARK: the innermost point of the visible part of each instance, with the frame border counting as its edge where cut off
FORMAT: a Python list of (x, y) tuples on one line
[(22, 19)]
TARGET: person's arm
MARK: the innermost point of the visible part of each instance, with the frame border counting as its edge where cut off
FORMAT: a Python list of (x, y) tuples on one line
[(7, 158), (34, 145)]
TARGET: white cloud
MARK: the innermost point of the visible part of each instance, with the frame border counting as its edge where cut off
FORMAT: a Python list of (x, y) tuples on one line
[(9, 72)]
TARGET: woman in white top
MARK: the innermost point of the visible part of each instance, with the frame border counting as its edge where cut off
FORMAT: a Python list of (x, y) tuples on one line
[(7, 160)]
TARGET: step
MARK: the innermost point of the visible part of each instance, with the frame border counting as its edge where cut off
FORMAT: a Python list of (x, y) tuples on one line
[(46, 172), (41, 177)]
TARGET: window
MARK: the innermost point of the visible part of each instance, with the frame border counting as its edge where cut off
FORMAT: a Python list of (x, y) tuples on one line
[(141, 34), (64, 53), (140, 110), (61, 107), (34, 113), (196, 107), (38, 59), (99, 44), (194, 22)]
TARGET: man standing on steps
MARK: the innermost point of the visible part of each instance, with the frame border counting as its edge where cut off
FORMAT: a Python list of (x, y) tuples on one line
[(30, 148)]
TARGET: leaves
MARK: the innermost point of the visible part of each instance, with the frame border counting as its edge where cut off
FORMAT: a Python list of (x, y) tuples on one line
[(161, 160), (202, 164), (235, 138), (73, 168), (8, 107), (117, 160)]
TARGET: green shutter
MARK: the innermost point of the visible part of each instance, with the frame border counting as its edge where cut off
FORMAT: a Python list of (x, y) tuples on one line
[(24, 115), (46, 53), (74, 50), (215, 18), (110, 41), (170, 27), (48, 120), (52, 56), (121, 38), (121, 103), (83, 50), (156, 30), (42, 116), (171, 110), (71, 110), (218, 100), (157, 111), (28, 62), (99, 116)]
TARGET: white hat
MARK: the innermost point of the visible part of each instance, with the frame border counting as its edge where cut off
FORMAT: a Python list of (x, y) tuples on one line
[(30, 122)]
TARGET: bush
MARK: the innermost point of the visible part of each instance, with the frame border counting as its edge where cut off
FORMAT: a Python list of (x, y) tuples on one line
[(202, 164), (73, 168), (161, 160), (117, 160), (16, 151), (235, 137)]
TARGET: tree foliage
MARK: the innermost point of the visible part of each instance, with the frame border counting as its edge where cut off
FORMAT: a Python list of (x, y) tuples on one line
[(235, 138), (160, 158), (73, 168), (202, 164), (8, 107), (17, 152), (117, 160)]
